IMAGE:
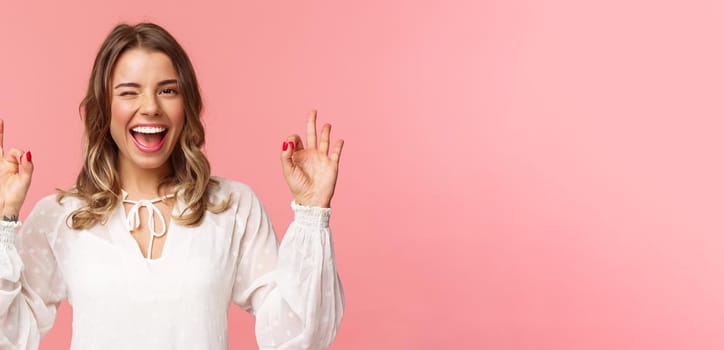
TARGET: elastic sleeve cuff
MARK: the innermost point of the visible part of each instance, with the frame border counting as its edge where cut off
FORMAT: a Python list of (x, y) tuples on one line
[(314, 216), (8, 230)]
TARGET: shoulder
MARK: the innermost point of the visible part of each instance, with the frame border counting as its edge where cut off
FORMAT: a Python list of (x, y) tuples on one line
[(49, 212), (236, 188), (241, 193), (231, 186), (50, 204)]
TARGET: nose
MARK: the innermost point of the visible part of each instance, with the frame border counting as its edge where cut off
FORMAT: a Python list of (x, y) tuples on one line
[(149, 106)]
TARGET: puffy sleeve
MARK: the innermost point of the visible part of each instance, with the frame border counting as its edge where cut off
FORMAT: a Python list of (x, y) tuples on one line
[(292, 289), (31, 286)]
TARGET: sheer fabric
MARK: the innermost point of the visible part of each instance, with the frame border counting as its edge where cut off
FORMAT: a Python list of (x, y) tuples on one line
[(121, 300)]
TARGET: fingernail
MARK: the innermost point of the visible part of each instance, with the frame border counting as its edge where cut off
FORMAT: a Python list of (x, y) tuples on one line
[(29, 156), (284, 146), (291, 144)]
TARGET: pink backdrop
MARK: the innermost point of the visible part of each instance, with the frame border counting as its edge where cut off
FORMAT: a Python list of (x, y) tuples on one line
[(516, 174)]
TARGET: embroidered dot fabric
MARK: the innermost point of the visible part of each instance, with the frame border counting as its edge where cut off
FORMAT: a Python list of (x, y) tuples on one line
[(123, 300)]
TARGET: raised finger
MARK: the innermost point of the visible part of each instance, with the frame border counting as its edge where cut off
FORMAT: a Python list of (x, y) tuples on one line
[(312, 130), (1, 137), (324, 139), (337, 153)]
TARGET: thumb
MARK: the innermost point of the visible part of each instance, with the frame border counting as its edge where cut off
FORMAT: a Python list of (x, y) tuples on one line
[(25, 168)]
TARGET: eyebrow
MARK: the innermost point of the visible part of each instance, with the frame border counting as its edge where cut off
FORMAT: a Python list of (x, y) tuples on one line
[(135, 85)]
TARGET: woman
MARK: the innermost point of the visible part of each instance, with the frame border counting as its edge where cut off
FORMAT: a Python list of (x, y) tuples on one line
[(148, 247)]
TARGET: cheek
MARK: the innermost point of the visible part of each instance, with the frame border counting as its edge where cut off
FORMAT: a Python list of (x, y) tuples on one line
[(120, 117), (175, 113), (120, 112), (175, 110)]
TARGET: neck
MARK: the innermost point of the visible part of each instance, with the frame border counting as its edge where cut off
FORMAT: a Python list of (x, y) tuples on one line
[(142, 183)]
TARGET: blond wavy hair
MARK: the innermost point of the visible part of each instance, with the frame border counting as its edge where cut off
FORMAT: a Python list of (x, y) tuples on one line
[(98, 184)]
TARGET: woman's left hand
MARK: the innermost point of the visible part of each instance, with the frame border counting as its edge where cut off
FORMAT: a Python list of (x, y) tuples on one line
[(310, 172)]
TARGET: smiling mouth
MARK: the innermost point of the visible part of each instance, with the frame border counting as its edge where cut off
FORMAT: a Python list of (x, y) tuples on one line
[(149, 138)]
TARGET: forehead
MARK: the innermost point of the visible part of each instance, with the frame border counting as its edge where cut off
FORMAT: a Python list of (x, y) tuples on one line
[(141, 65)]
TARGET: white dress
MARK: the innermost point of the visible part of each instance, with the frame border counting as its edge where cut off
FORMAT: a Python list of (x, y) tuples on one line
[(122, 300)]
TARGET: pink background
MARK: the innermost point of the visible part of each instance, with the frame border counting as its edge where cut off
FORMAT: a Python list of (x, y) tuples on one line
[(516, 174)]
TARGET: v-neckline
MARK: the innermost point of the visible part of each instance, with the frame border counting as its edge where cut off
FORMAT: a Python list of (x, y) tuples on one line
[(133, 244)]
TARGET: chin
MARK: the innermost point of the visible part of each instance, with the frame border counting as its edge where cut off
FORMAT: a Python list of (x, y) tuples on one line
[(150, 163)]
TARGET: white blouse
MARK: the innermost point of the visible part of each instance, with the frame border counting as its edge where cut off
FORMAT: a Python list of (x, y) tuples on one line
[(122, 300)]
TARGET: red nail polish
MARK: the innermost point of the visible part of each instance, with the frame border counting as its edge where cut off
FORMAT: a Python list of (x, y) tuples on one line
[(291, 144), (29, 156), (284, 146)]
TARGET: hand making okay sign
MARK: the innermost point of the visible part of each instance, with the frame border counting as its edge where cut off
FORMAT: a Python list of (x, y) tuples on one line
[(16, 171), (311, 172)]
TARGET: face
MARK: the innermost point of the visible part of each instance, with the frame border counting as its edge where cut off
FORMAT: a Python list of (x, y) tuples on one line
[(147, 113)]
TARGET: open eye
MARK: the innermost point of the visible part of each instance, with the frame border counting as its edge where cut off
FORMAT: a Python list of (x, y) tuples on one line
[(168, 91)]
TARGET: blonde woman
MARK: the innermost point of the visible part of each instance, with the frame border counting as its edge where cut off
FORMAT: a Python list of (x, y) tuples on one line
[(148, 247)]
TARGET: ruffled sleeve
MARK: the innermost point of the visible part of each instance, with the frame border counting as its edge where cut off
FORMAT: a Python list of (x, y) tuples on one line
[(31, 286), (293, 289)]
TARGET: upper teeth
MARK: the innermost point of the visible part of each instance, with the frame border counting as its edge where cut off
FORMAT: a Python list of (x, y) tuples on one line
[(148, 129)]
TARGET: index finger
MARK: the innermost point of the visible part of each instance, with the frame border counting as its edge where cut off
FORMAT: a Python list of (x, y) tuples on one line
[(1, 138), (312, 130)]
